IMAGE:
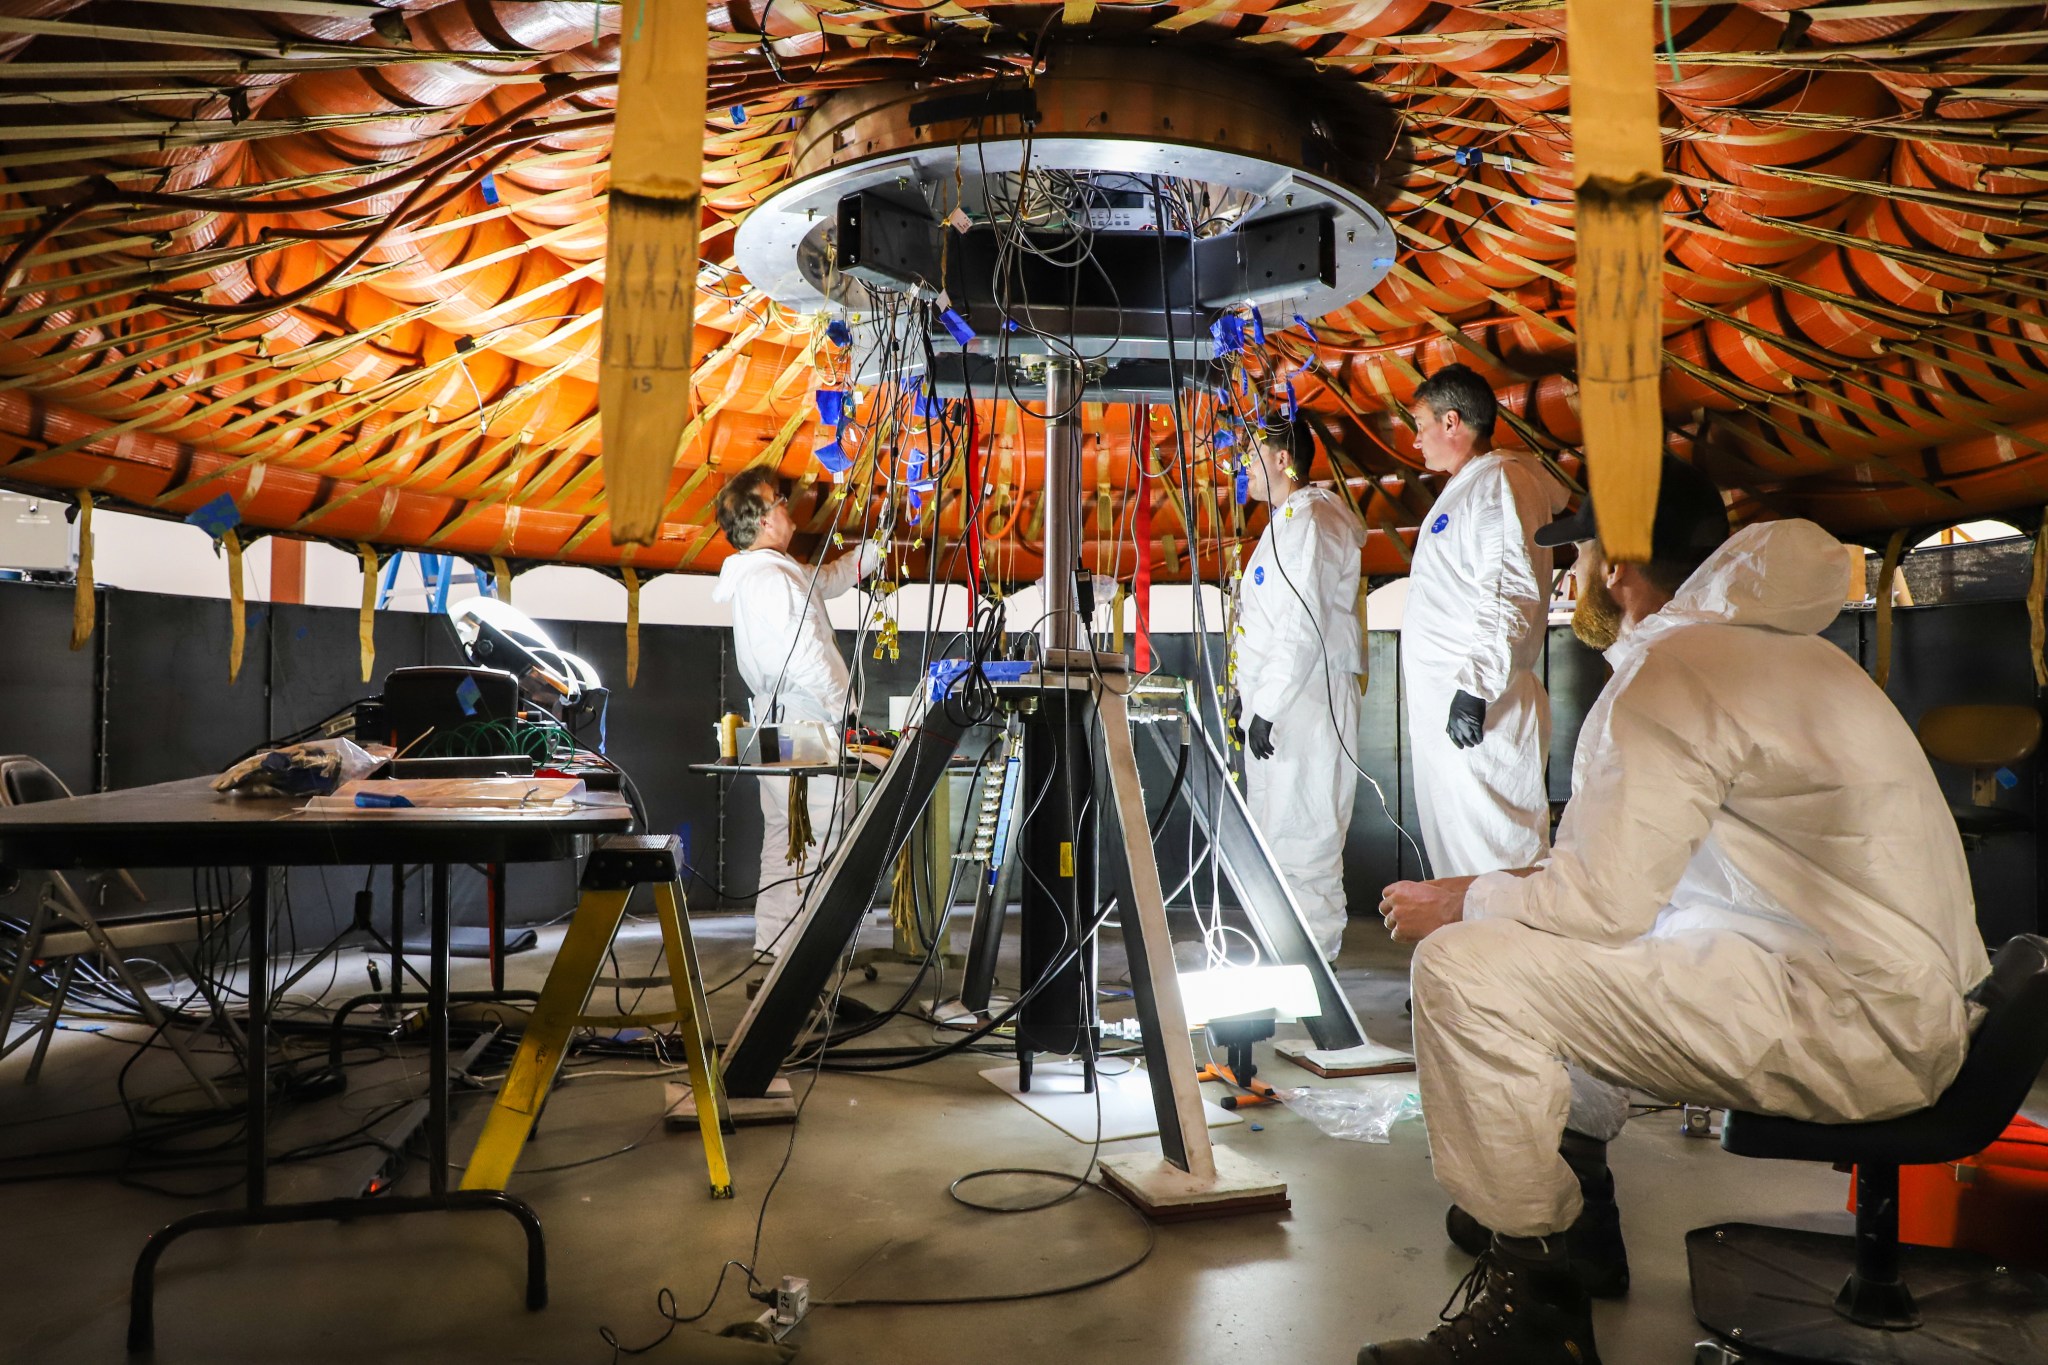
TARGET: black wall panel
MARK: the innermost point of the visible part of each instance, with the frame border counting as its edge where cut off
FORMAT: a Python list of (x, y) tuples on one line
[(48, 691), (658, 727), (1975, 654), (171, 711), (157, 670)]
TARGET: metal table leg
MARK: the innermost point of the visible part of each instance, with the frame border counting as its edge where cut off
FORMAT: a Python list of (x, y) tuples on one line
[(256, 1068), (437, 1035), (496, 873), (440, 1199)]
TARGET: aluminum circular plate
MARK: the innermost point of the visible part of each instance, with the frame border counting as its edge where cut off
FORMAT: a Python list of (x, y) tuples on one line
[(784, 246)]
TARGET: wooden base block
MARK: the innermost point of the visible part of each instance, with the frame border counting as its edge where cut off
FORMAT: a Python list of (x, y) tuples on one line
[(777, 1106), (1370, 1060), (1165, 1193)]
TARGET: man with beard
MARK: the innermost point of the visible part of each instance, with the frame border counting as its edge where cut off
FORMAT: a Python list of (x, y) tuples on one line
[(1757, 900)]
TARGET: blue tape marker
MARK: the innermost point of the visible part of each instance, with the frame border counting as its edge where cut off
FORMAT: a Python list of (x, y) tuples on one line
[(1258, 327), (1383, 263), (218, 517), (832, 407), (1009, 324), (372, 801), (739, 114), (1225, 439), (1302, 323), (489, 185), (1293, 404), (467, 694), (957, 325), (1228, 334), (838, 333), (1243, 486), (2007, 778), (833, 457)]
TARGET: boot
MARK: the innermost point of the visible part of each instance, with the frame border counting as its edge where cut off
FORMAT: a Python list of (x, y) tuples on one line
[(1599, 1258), (1521, 1306)]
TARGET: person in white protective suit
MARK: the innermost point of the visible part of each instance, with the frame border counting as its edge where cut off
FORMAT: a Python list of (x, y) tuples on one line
[(1472, 636), (1757, 900), (783, 642), (1298, 653)]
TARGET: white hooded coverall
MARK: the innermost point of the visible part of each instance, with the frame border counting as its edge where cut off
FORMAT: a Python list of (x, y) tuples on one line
[(1298, 655), (1757, 899), (1478, 604), (783, 643)]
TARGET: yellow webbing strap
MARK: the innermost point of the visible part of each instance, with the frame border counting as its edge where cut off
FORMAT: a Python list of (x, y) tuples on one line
[(903, 897), (632, 625), (238, 626), (1364, 639), (800, 836), (1881, 667), (502, 578), (366, 640), (2037, 595), (83, 606)]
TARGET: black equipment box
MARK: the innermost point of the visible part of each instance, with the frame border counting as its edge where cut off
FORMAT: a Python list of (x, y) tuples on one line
[(420, 702)]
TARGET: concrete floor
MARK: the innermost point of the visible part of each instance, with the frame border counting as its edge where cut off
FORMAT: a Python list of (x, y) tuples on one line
[(861, 1210)]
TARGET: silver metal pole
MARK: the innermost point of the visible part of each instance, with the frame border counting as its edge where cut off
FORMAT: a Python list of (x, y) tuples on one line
[(1060, 629)]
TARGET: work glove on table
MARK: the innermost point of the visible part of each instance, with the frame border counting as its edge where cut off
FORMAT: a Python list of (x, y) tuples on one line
[(1233, 721), (1260, 737), (1467, 725)]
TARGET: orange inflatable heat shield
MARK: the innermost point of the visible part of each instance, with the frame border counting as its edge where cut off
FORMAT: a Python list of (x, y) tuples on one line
[(650, 298), (1993, 1203)]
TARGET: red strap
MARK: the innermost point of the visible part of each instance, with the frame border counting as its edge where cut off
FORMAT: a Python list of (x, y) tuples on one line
[(1142, 588)]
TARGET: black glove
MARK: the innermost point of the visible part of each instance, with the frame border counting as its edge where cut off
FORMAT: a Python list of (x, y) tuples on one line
[(1260, 741), (1233, 721), (1468, 720)]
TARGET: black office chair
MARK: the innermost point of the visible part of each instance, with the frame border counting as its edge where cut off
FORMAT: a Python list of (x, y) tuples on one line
[(1783, 1293), (65, 926)]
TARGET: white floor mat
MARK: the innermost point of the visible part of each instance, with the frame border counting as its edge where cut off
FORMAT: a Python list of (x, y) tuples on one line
[(1125, 1098)]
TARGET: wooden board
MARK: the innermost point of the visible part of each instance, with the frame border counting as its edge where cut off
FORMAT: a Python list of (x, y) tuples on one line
[(1358, 1061)]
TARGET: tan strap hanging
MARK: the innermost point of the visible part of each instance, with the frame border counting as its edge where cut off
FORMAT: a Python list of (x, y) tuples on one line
[(653, 218), (84, 607), (1364, 638), (2037, 594), (366, 640), (1881, 666), (1619, 185), (501, 578), (632, 624), (801, 836), (238, 625)]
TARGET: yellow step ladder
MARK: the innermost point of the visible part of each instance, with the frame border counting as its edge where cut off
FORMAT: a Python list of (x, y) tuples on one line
[(620, 864)]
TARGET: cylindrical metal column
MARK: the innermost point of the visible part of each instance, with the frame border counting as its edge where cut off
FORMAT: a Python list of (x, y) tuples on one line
[(1060, 628)]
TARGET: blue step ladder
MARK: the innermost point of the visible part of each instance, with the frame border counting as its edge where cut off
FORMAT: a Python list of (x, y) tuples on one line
[(437, 572)]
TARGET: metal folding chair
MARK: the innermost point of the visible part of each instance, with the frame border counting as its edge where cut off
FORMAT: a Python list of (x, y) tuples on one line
[(63, 927)]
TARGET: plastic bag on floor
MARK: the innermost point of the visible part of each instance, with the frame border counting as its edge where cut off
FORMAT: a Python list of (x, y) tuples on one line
[(1363, 1115)]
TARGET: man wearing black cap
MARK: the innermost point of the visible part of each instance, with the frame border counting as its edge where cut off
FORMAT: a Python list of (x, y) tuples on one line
[(1756, 900)]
